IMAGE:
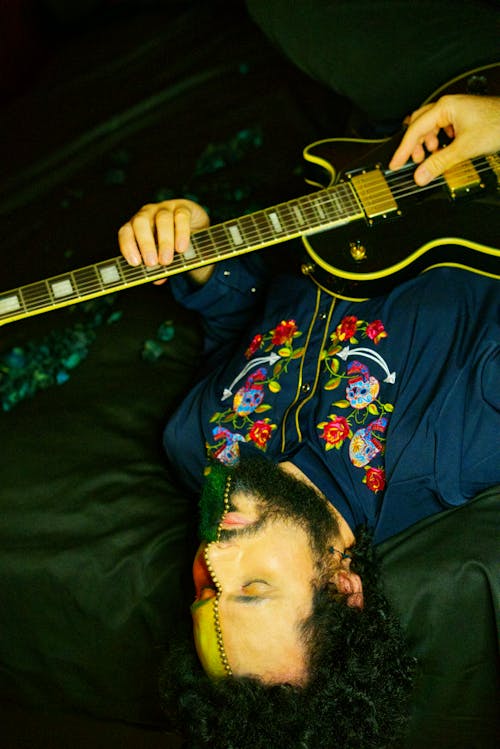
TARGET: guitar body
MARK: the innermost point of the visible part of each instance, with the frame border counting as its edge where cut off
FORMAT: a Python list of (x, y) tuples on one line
[(430, 226)]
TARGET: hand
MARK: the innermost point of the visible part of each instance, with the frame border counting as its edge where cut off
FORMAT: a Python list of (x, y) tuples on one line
[(158, 230), (473, 123)]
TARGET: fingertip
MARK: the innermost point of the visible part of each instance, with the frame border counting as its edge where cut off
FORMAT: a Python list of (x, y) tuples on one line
[(134, 258), (422, 176)]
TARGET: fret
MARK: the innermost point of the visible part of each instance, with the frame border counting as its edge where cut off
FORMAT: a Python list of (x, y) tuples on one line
[(132, 274), (36, 296), (341, 205), (296, 213), (288, 220), (150, 270), (191, 253), (203, 246), (351, 207), (310, 215), (250, 231), (49, 290), (262, 226), (87, 281), (185, 260), (337, 205), (220, 240), (318, 209)]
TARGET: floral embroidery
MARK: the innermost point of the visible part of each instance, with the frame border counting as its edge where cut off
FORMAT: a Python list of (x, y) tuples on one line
[(260, 432), (245, 413), (346, 329), (375, 479), (254, 345), (366, 435), (358, 420), (350, 325), (376, 331), (284, 333), (335, 431)]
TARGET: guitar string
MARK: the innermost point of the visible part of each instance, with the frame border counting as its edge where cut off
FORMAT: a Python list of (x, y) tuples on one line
[(133, 276), (307, 203)]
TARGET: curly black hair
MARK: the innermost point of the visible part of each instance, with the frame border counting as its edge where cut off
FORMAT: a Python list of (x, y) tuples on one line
[(356, 697)]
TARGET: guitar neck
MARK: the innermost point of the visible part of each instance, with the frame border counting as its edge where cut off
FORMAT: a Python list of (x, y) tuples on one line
[(322, 210)]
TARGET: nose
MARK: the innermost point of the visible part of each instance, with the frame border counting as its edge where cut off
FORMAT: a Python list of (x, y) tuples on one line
[(204, 585)]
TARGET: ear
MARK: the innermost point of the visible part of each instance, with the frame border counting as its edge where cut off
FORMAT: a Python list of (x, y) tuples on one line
[(349, 584)]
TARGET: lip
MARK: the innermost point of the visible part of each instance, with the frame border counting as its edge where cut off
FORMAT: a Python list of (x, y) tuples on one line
[(233, 520), (203, 582)]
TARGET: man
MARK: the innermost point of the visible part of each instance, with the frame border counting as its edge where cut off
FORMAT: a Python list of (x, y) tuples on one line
[(358, 407)]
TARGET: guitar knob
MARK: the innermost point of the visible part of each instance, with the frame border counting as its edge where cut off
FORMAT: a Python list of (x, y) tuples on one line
[(358, 251), (308, 268)]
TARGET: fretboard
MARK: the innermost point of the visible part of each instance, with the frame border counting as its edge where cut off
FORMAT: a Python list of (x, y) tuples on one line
[(316, 212)]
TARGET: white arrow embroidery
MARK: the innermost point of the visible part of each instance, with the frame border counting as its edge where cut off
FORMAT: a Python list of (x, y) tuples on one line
[(271, 359), (369, 354)]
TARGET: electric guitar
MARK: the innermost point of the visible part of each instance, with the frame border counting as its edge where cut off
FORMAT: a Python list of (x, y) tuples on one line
[(367, 230)]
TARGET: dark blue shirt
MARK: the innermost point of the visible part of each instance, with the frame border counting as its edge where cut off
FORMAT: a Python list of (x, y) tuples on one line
[(390, 405)]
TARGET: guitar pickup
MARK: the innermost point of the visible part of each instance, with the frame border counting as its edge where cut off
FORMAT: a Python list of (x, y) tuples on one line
[(462, 179), (374, 194)]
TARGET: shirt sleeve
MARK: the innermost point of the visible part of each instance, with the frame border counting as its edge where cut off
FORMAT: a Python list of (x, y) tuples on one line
[(228, 301)]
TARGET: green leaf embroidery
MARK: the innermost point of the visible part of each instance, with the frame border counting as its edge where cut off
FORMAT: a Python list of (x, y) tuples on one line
[(333, 383)]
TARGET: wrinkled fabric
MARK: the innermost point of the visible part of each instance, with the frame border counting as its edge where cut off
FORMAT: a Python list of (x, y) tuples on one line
[(412, 381)]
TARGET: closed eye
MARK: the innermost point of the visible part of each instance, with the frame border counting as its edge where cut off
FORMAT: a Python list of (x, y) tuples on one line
[(254, 591), (257, 584)]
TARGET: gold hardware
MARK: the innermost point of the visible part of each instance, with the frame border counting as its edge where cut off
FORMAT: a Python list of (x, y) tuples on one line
[(308, 268), (358, 251), (462, 178), (374, 194)]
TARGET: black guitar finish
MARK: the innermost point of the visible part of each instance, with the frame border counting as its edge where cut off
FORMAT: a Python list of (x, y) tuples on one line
[(431, 226)]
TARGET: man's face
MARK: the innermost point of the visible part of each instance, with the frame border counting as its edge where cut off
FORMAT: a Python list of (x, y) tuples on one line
[(266, 563), (265, 580)]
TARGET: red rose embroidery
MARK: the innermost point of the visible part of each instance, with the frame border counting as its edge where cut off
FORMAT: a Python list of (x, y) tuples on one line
[(375, 479), (376, 331), (346, 328), (335, 432), (283, 333), (254, 346), (260, 433)]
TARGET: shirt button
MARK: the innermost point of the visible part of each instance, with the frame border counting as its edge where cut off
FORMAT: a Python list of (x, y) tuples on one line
[(322, 316), (305, 387), (227, 272)]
